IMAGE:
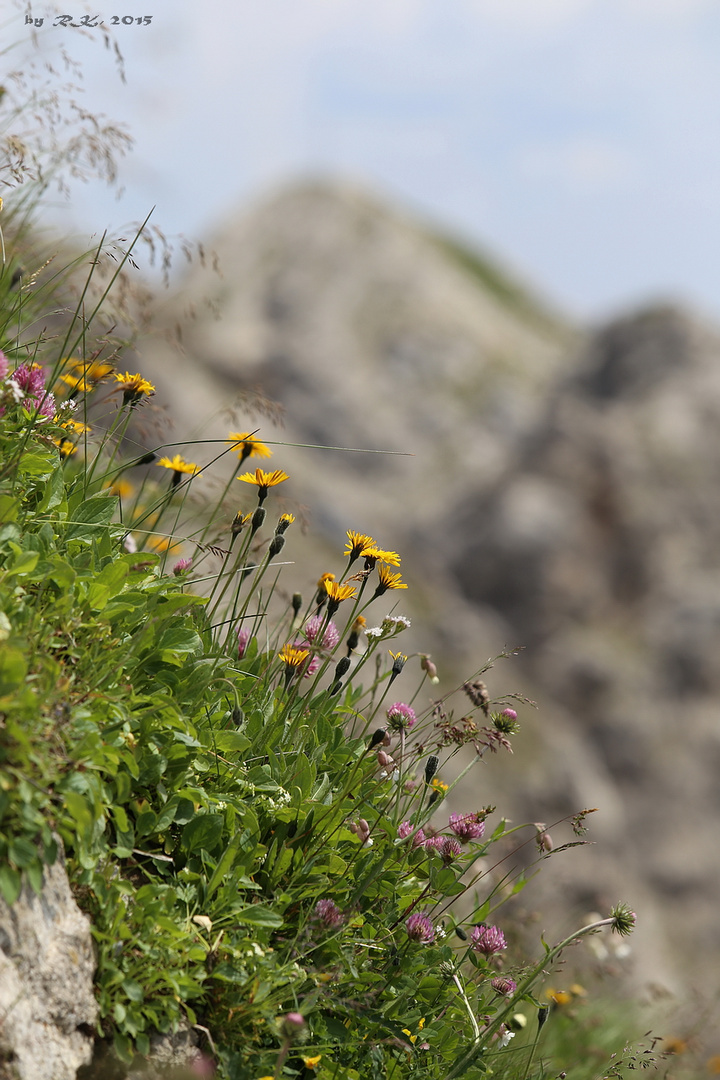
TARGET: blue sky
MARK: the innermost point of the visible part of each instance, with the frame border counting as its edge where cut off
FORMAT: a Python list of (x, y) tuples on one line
[(579, 139)]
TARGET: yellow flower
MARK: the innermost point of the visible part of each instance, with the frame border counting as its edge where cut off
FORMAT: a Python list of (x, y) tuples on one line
[(264, 480), (161, 544), (246, 445), (239, 522), (66, 448), (439, 785), (288, 517), (179, 466), (311, 1062), (75, 426), (356, 542), (293, 657), (713, 1065), (373, 554), (388, 580), (414, 1038), (323, 579), (134, 387), (558, 997), (122, 488), (337, 592), (674, 1045), (90, 372), (77, 384)]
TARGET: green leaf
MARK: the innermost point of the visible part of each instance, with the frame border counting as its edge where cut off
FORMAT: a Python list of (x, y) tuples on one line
[(106, 584), (13, 669), (230, 742), (10, 884), (203, 832), (133, 990), (9, 507), (224, 866), (90, 517), (259, 915), (61, 572), (54, 492), (22, 852), (24, 561), (178, 643)]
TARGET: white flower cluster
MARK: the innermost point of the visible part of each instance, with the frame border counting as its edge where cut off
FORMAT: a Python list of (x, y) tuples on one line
[(390, 627), (15, 390), (275, 802)]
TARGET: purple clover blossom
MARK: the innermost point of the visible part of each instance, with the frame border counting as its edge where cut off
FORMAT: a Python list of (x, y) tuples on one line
[(243, 638), (504, 986), (401, 716), (510, 714), (181, 566), (487, 940), (406, 830), (4, 365), (31, 379), (328, 913), (331, 634), (467, 827), (434, 843), (420, 928), (450, 849)]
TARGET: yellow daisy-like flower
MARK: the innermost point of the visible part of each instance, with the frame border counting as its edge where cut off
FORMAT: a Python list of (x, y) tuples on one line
[(246, 445), (338, 592), (323, 579), (292, 657), (264, 480), (134, 387), (311, 1062), (161, 544), (713, 1065), (84, 376), (356, 543), (77, 384), (439, 785), (76, 426), (373, 554), (66, 447), (122, 488), (179, 467), (558, 997), (387, 580), (674, 1045), (239, 522)]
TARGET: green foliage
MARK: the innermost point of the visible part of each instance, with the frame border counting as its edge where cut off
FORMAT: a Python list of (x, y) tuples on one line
[(257, 832)]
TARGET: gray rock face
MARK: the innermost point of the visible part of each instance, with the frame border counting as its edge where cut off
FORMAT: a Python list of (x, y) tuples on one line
[(47, 964), (600, 546)]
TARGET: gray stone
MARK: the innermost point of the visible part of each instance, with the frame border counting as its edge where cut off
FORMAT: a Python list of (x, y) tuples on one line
[(47, 1007)]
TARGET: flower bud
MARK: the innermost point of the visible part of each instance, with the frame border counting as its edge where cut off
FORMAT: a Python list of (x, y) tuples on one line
[(428, 666), (276, 545), (431, 767), (342, 667)]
